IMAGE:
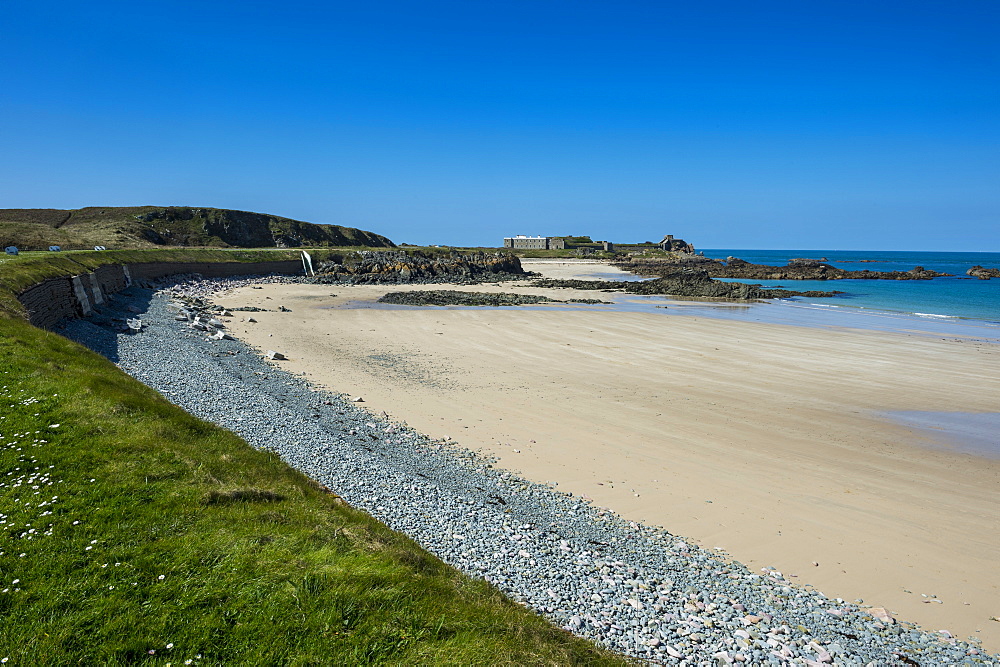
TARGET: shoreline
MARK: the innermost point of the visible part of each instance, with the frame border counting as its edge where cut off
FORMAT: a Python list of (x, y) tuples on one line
[(774, 479), (800, 311)]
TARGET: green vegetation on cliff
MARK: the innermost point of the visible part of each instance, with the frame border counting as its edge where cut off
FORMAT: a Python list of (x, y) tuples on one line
[(151, 226)]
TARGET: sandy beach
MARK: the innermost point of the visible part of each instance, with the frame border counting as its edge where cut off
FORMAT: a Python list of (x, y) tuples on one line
[(767, 441)]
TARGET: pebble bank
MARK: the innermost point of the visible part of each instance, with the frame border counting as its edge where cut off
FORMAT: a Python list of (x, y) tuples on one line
[(636, 589)]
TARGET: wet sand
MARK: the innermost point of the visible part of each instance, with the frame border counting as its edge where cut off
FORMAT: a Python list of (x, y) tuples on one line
[(768, 441)]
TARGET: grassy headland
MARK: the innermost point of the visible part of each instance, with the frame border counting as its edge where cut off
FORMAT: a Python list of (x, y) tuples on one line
[(133, 531), (151, 226)]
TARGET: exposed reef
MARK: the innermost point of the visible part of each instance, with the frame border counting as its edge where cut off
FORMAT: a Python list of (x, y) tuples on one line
[(796, 269), (457, 298), (689, 282)]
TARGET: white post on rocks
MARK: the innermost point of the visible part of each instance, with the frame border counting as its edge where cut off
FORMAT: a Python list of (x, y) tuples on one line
[(307, 264)]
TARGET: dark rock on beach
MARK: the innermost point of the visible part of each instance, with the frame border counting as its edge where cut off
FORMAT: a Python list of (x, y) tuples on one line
[(456, 298)]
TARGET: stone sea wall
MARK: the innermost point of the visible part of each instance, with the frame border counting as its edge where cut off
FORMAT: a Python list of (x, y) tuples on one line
[(55, 299), (77, 296)]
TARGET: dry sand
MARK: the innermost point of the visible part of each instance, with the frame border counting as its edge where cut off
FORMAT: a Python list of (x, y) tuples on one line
[(764, 440)]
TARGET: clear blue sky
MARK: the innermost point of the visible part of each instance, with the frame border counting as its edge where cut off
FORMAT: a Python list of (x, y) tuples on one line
[(794, 124)]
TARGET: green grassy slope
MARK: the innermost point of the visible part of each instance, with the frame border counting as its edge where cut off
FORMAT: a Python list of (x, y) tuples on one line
[(151, 226), (131, 531)]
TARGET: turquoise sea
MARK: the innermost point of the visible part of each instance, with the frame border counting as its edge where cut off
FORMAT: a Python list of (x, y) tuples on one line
[(960, 296), (959, 306)]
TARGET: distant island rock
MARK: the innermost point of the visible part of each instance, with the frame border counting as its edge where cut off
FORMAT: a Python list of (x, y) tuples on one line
[(150, 226), (983, 273), (796, 269)]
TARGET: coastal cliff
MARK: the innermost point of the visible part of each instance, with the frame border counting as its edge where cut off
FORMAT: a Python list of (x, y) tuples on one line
[(150, 226)]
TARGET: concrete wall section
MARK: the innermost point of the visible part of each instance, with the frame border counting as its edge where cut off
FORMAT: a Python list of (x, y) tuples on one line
[(111, 278), (76, 296), (84, 302), (50, 301)]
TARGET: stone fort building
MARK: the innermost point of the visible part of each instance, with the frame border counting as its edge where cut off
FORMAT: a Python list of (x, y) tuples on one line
[(534, 242)]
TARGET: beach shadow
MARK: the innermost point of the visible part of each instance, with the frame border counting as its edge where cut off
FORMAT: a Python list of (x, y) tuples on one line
[(100, 331)]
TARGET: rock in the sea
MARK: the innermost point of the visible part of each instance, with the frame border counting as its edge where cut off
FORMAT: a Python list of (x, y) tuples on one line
[(983, 273), (796, 269)]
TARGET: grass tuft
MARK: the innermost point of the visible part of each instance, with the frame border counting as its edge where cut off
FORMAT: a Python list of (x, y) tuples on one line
[(241, 496)]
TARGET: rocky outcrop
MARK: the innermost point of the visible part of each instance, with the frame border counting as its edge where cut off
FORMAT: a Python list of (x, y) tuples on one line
[(983, 273), (796, 269), (687, 283), (364, 267)]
